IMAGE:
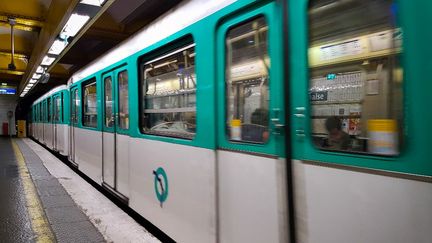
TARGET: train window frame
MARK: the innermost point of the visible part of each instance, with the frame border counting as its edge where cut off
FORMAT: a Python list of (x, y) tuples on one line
[(166, 51), (85, 84), (391, 128)]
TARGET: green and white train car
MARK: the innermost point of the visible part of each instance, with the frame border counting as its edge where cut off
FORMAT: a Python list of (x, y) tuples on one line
[(262, 121), (50, 119)]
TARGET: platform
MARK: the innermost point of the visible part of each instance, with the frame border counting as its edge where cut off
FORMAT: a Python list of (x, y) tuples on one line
[(46, 201)]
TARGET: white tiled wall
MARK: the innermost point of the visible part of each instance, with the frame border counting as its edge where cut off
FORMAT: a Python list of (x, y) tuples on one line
[(7, 103)]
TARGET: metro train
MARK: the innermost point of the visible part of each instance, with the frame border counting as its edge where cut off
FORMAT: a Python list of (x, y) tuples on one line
[(260, 121)]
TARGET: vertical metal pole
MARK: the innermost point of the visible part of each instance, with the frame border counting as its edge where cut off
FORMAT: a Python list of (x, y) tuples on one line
[(12, 22)]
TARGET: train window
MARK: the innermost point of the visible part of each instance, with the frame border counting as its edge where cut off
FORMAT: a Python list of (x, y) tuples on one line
[(57, 109), (90, 105), (49, 110), (109, 116), (62, 107), (247, 82), (169, 90), (75, 103), (123, 100), (355, 76)]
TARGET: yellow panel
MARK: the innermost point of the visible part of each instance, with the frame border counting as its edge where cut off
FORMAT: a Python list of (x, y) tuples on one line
[(27, 8), (22, 129)]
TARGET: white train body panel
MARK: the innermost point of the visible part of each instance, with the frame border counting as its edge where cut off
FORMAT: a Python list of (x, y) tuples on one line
[(108, 141), (62, 139), (189, 213), (49, 135), (252, 198), (88, 153), (122, 153), (338, 205)]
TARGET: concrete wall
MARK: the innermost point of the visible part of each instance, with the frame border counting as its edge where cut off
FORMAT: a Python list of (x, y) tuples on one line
[(8, 103)]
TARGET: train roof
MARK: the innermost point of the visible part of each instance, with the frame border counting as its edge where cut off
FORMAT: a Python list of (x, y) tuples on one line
[(185, 14), (52, 91)]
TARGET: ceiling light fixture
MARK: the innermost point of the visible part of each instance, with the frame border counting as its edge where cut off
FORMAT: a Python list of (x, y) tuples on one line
[(40, 69), (74, 24), (47, 61), (93, 2), (57, 47), (36, 76), (32, 81)]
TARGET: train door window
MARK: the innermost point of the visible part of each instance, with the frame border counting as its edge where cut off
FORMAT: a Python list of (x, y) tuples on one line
[(44, 111), (109, 116), (49, 113), (247, 82), (90, 104), (58, 107), (355, 75), (123, 102), (169, 94), (54, 114), (75, 103), (62, 110)]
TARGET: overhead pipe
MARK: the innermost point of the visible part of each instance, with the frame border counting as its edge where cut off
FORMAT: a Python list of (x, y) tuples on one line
[(12, 23)]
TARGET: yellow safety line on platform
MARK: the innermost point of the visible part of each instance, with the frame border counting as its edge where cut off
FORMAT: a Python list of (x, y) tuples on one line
[(36, 213)]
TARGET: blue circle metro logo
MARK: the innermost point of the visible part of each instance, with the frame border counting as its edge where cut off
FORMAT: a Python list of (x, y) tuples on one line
[(160, 185)]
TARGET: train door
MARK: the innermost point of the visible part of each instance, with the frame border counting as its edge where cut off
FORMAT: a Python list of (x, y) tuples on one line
[(251, 162), (115, 127), (50, 123), (56, 116), (43, 120), (359, 84), (75, 100), (109, 131)]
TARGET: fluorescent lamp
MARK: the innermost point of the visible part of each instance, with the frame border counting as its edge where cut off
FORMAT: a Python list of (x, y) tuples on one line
[(36, 76), (40, 69), (22, 95), (57, 47), (4, 84), (93, 2), (29, 85), (74, 24), (32, 81), (47, 61)]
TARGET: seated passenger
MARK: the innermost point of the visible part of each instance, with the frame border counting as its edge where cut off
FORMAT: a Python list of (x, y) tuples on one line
[(337, 139), (256, 131)]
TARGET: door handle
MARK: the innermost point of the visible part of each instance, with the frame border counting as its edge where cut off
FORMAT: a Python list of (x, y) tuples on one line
[(299, 117), (278, 126)]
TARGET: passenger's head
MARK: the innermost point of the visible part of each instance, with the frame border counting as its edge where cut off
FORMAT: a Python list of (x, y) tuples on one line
[(333, 124)]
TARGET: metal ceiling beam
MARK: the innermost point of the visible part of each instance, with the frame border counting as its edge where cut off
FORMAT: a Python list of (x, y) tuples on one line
[(16, 72), (22, 22), (16, 55)]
